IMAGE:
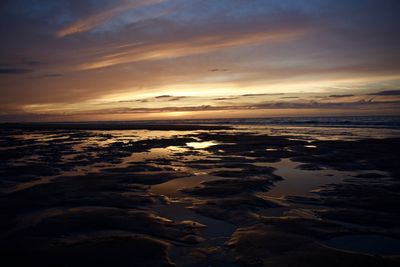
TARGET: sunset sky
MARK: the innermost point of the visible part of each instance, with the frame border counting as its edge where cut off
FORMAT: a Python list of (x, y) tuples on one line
[(68, 60)]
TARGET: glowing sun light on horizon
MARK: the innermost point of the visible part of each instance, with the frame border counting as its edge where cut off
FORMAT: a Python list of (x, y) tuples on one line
[(176, 114)]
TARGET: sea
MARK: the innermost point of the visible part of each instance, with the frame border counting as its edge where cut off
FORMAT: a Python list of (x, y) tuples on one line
[(387, 122)]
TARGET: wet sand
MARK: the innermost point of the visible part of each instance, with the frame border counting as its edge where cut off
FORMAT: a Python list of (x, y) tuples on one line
[(195, 196)]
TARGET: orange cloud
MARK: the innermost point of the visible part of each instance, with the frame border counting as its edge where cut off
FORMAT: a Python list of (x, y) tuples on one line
[(194, 46)]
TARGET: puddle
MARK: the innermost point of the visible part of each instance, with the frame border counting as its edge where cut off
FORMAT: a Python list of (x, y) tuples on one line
[(367, 244), (172, 187), (299, 182), (201, 145), (179, 212)]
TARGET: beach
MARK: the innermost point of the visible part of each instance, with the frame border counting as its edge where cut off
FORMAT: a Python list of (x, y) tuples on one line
[(201, 193)]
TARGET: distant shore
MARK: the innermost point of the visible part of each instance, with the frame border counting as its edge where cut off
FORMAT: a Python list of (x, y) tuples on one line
[(110, 126)]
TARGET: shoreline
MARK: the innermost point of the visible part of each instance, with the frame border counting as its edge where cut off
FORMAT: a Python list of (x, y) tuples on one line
[(110, 126)]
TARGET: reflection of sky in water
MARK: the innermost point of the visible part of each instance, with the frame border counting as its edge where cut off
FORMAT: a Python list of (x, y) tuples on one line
[(101, 150), (310, 146), (179, 212), (136, 135), (172, 188), (297, 182), (322, 133), (201, 145), (190, 162), (300, 182)]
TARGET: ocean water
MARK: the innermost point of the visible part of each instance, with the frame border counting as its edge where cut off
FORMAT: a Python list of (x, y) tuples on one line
[(305, 128), (383, 122), (391, 122)]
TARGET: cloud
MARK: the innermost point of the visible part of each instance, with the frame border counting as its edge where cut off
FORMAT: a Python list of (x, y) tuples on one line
[(190, 46), (253, 95), (225, 98), (217, 70), (340, 96), (159, 98), (387, 93), (130, 101), (185, 52), (14, 71), (163, 96), (158, 105), (268, 105), (30, 62), (53, 75), (177, 98), (97, 19)]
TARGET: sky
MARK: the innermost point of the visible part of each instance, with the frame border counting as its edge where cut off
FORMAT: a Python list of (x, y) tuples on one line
[(92, 60)]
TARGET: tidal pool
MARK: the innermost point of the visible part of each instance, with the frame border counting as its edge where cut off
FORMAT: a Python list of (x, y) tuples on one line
[(297, 182), (179, 212)]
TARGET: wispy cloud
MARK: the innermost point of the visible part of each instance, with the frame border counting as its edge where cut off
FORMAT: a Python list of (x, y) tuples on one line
[(161, 104), (225, 98), (340, 96), (218, 70), (97, 19), (163, 96), (14, 71), (387, 93), (52, 75), (193, 46), (268, 105), (160, 98)]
